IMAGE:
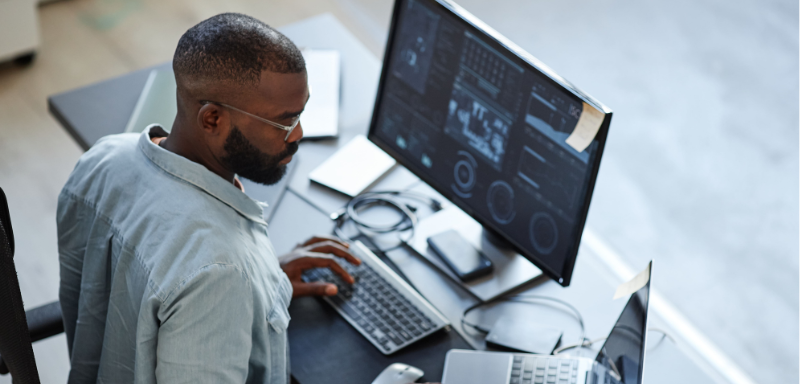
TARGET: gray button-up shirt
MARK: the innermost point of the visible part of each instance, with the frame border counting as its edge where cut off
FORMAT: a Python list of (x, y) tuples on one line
[(167, 272)]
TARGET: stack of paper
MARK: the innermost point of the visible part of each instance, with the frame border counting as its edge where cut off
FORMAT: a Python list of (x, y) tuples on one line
[(321, 116)]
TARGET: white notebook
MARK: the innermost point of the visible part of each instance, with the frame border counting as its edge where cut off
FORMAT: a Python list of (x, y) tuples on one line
[(354, 167), (321, 116)]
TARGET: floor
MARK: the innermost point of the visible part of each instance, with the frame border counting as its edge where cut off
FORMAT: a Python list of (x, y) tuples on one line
[(700, 172)]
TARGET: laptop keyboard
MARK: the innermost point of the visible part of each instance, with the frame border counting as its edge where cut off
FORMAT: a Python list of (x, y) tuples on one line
[(537, 370), (380, 308)]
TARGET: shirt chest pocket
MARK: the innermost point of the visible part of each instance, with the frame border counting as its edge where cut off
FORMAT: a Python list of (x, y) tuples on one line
[(278, 318)]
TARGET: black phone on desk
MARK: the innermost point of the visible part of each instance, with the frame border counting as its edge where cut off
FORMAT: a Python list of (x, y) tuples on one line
[(466, 261)]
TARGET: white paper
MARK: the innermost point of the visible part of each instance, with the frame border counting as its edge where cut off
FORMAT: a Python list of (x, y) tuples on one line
[(321, 115), (635, 284), (354, 167), (586, 129)]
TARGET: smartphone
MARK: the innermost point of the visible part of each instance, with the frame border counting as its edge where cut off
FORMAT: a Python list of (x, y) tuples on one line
[(467, 262)]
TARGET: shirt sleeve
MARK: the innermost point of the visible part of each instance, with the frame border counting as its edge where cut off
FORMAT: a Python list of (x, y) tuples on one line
[(205, 335)]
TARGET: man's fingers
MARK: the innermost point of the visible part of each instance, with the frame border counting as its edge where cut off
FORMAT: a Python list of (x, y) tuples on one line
[(314, 289), (336, 250), (314, 260), (321, 238)]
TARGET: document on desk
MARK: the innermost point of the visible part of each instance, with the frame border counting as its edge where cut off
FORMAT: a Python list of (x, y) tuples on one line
[(321, 116), (156, 104), (354, 167)]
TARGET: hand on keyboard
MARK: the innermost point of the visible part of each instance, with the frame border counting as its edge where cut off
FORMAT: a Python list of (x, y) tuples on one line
[(317, 252)]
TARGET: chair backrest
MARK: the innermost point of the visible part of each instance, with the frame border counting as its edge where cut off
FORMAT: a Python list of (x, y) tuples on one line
[(15, 342)]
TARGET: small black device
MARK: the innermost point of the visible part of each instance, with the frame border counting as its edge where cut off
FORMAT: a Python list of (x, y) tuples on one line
[(521, 335), (467, 262)]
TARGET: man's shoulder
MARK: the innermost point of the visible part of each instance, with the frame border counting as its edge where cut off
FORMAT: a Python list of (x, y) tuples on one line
[(112, 146), (109, 151)]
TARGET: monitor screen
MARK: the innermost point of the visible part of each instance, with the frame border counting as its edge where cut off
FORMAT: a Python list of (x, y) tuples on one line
[(486, 125)]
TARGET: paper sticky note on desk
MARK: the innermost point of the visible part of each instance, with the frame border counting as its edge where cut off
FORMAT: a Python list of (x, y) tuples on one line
[(634, 284), (586, 129)]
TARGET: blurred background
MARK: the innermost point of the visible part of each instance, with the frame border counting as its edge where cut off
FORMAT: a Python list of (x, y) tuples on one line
[(700, 171)]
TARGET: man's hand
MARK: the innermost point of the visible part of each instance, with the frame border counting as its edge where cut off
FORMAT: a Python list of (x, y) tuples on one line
[(317, 252)]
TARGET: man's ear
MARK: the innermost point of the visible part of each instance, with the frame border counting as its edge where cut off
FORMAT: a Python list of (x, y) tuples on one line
[(213, 120)]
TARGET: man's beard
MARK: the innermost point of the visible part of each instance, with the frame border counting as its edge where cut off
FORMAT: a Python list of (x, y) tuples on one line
[(244, 159)]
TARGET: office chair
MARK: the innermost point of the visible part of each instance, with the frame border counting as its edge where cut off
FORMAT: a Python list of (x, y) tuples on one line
[(18, 328)]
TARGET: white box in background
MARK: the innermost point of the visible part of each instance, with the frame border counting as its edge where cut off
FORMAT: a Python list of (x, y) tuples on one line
[(19, 28)]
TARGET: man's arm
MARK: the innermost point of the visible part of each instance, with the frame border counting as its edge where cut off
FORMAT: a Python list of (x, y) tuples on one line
[(205, 334)]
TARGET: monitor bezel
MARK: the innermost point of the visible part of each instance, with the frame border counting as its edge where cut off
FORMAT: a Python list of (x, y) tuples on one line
[(564, 276)]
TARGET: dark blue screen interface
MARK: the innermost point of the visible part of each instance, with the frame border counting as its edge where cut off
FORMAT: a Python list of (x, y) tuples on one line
[(486, 129)]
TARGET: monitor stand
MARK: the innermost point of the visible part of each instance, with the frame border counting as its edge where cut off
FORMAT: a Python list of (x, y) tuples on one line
[(511, 269)]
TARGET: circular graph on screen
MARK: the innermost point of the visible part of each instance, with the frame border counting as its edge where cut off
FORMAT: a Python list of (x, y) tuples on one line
[(543, 232), (464, 175), (500, 199)]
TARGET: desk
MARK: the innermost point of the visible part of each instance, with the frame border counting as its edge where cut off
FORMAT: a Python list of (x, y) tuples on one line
[(97, 110)]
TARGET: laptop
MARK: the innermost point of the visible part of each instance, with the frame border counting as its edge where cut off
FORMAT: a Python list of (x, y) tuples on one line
[(619, 361)]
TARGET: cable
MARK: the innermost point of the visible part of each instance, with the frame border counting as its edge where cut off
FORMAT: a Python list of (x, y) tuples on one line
[(589, 343), (524, 299), (351, 213), (586, 344)]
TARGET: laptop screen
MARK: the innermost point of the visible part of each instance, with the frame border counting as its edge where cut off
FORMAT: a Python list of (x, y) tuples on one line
[(622, 354)]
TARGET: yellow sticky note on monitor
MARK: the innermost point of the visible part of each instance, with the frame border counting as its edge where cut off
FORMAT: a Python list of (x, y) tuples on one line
[(586, 129), (635, 284)]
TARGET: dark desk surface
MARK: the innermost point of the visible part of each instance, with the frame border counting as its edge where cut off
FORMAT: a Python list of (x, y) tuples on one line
[(100, 109)]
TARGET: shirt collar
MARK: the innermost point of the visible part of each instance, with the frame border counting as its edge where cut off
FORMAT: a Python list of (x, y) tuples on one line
[(199, 176)]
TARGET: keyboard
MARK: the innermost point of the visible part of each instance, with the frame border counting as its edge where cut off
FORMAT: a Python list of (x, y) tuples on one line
[(529, 369), (380, 304)]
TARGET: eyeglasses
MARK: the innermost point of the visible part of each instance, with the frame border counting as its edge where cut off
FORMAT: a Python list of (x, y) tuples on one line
[(287, 128)]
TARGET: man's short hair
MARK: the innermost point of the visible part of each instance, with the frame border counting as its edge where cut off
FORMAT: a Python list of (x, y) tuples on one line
[(232, 47)]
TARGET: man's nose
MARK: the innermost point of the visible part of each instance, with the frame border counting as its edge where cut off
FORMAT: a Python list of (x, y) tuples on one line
[(297, 133)]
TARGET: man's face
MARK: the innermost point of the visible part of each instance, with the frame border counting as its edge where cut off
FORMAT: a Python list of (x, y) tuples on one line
[(256, 150)]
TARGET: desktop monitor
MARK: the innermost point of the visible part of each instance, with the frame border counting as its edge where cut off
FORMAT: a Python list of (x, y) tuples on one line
[(490, 127)]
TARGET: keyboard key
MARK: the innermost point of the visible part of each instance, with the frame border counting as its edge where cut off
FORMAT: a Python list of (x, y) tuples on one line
[(529, 364), (395, 339)]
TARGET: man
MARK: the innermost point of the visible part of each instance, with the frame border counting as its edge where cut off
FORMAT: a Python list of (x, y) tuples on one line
[(167, 271)]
